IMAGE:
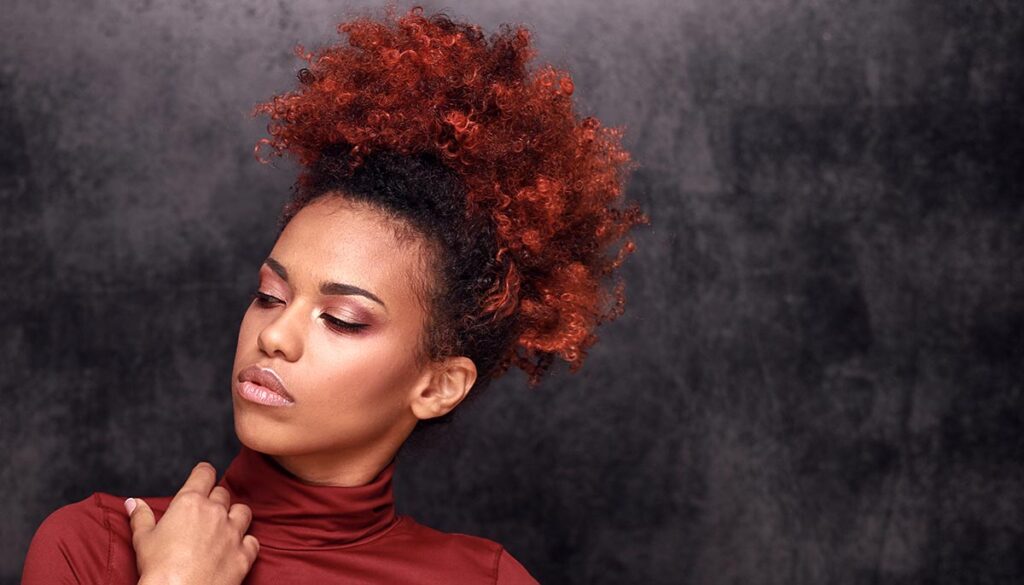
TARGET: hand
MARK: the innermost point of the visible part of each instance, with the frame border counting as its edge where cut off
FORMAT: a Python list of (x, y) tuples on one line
[(200, 539)]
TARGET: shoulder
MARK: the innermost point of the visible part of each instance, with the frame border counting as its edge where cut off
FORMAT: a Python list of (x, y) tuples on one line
[(71, 543), (454, 541), (83, 520), (456, 548), (88, 541), (511, 571)]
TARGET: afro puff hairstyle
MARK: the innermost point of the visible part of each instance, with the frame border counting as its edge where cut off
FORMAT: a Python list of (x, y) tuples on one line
[(433, 123)]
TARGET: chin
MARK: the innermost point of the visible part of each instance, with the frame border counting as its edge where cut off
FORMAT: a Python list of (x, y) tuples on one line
[(258, 433)]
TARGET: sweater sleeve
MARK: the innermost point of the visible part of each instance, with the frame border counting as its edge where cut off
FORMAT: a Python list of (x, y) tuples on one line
[(512, 572), (70, 547)]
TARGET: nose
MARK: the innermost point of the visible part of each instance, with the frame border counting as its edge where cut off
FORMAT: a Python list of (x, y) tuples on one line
[(283, 335)]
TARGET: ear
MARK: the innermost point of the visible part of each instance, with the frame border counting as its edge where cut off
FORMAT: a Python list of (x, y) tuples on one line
[(448, 383)]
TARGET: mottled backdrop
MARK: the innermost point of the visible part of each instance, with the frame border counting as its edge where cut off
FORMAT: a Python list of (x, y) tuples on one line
[(816, 379)]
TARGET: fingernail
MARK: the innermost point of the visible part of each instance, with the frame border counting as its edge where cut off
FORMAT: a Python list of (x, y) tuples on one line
[(129, 505)]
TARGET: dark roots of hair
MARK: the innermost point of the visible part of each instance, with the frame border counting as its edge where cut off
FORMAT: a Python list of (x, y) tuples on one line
[(427, 196)]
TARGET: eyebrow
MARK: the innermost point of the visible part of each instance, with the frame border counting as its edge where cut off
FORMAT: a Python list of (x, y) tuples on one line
[(327, 288)]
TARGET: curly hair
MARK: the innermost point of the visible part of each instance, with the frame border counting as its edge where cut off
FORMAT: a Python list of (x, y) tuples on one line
[(433, 123)]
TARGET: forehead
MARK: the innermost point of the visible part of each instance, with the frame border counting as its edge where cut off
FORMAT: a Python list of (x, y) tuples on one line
[(336, 239)]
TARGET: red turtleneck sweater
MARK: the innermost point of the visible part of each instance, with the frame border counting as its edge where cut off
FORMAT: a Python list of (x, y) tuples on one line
[(308, 534)]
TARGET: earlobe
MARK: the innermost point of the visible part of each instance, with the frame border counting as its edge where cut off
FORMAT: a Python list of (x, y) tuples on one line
[(448, 384)]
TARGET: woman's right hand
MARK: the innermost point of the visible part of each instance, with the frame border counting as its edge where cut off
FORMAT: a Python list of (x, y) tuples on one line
[(200, 539)]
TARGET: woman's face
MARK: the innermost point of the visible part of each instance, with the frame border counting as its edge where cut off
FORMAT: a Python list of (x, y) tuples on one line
[(351, 384)]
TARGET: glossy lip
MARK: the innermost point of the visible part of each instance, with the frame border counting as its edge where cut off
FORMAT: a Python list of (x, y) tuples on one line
[(265, 377)]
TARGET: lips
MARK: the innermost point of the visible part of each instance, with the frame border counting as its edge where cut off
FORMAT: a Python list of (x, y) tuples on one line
[(265, 377)]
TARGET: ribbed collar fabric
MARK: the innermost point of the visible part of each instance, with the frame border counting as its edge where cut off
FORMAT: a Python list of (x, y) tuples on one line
[(288, 513)]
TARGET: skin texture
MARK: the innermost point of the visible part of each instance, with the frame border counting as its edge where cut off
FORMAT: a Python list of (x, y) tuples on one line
[(357, 395), (200, 539)]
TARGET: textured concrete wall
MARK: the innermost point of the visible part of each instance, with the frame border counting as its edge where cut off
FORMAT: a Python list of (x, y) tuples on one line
[(817, 378)]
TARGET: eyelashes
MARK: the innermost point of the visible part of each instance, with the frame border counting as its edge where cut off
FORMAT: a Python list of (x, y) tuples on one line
[(265, 301)]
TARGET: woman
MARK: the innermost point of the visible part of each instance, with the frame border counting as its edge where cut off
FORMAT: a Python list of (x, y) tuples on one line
[(453, 218)]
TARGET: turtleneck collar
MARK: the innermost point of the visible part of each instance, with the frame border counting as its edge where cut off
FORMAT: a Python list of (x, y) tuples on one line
[(288, 513)]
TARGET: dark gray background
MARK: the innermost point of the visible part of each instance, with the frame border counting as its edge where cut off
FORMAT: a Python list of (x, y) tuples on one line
[(816, 377)]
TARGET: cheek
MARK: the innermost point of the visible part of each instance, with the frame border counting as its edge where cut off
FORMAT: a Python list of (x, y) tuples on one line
[(363, 381)]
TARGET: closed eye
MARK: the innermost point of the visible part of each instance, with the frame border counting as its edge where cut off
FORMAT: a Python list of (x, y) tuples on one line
[(342, 326), (265, 301)]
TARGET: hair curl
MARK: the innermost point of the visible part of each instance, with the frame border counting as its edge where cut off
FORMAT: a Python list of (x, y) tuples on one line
[(432, 122)]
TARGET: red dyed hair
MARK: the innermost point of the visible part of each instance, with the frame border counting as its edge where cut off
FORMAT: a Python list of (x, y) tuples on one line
[(548, 180)]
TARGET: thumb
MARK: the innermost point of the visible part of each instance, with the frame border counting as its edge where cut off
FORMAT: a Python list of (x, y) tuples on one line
[(142, 519)]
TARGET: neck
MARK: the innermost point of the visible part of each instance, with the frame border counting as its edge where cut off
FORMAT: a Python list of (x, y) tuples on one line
[(343, 467)]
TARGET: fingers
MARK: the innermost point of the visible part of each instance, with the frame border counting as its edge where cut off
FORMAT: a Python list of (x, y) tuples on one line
[(142, 519), (201, 480), (251, 546), (220, 495), (241, 516)]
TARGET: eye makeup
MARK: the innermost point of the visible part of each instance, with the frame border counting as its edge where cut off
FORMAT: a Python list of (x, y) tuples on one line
[(266, 301)]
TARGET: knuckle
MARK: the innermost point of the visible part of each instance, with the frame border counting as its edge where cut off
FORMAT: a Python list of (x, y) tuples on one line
[(217, 511), (221, 493), (190, 499), (253, 548), (242, 562), (241, 514)]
